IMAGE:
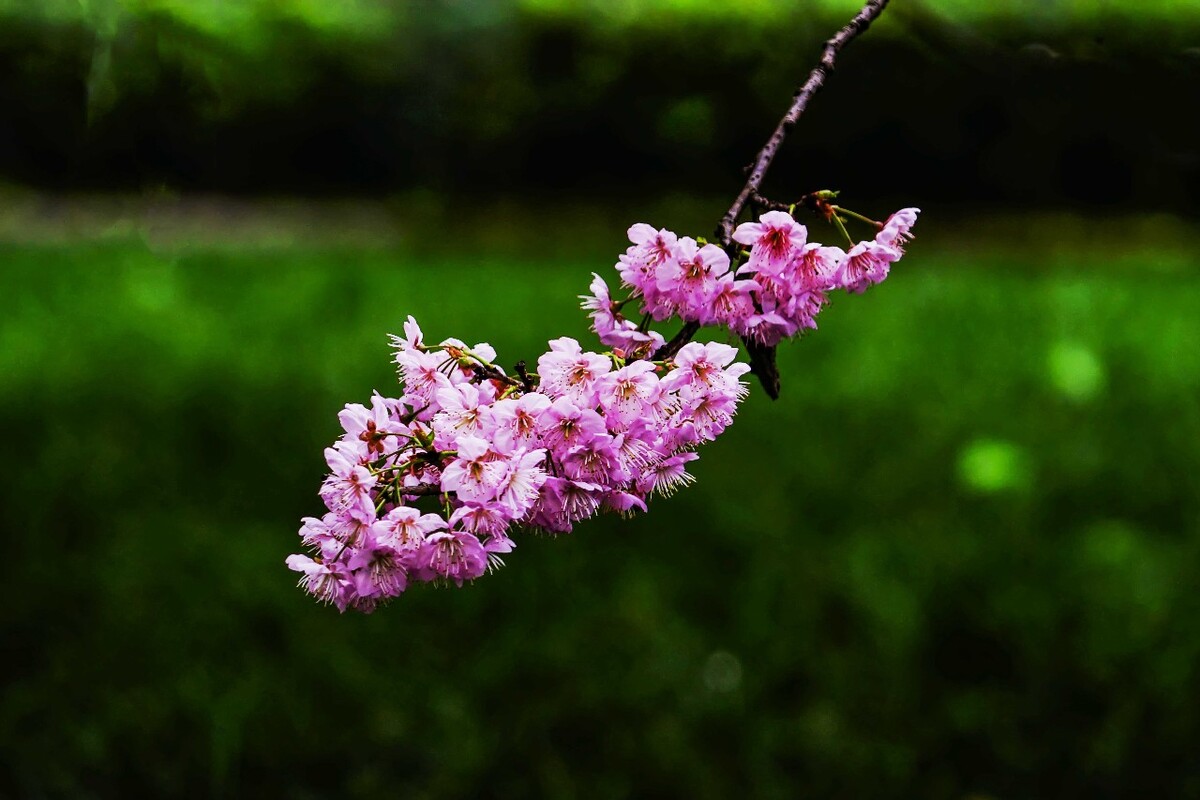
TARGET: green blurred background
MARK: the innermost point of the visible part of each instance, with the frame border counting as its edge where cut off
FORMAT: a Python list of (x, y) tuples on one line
[(956, 559)]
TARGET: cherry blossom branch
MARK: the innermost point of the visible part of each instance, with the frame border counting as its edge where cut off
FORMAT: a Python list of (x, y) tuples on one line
[(421, 490), (588, 432), (679, 340), (862, 20), (762, 358)]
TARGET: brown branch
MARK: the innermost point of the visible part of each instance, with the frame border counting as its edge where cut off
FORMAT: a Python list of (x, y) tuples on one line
[(420, 490), (762, 359), (816, 79), (684, 336), (523, 373), (491, 373), (757, 201)]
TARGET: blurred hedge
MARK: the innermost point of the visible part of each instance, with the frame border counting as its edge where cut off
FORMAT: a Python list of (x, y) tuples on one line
[(956, 559), (1001, 103)]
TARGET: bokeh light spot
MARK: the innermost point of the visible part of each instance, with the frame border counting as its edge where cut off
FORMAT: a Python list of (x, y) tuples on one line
[(992, 465), (722, 672), (1075, 371)]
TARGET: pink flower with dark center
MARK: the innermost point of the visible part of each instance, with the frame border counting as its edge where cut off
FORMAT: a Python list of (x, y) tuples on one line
[(481, 519), (516, 421), (711, 412), (773, 240), (650, 248), (328, 583), (814, 268), (378, 572), (711, 364), (404, 529), (454, 555), (422, 375), (594, 460), (517, 488), (628, 393), (567, 371), (475, 473), (865, 264), (375, 427), (730, 302), (896, 231), (348, 489), (464, 412), (688, 275), (565, 425), (668, 475)]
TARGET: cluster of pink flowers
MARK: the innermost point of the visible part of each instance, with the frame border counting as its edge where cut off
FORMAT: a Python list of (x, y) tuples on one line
[(430, 486), (774, 294)]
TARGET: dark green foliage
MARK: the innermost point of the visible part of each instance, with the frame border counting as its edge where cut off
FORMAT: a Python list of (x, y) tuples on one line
[(957, 557), (959, 99)]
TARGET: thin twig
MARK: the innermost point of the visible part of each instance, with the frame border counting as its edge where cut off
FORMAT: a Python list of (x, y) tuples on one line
[(523, 373), (679, 340), (420, 490), (762, 359), (816, 79), (493, 373)]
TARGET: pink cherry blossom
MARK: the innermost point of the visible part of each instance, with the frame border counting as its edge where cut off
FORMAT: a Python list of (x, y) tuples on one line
[(565, 424), (516, 421), (628, 393), (348, 489), (518, 486), (865, 264), (404, 529), (465, 410), (896, 231), (773, 240), (567, 371), (432, 485), (328, 583), (457, 556), (475, 473), (689, 274), (379, 571)]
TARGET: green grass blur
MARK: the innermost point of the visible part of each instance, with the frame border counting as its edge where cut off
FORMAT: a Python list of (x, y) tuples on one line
[(957, 558)]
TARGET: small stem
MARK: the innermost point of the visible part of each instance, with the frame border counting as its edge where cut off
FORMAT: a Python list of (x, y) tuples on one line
[(668, 350), (420, 490), (492, 372), (841, 226), (857, 216), (767, 204), (816, 79), (523, 374)]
